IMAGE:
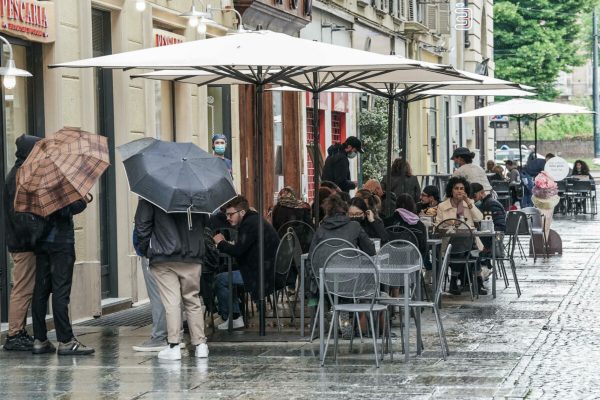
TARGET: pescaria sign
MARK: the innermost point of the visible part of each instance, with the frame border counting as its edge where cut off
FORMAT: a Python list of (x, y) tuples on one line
[(30, 20)]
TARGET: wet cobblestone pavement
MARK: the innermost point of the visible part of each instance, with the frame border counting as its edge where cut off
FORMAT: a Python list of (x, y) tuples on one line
[(544, 344)]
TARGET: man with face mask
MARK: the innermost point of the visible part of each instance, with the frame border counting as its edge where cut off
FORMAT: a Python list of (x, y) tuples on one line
[(219, 145), (337, 164)]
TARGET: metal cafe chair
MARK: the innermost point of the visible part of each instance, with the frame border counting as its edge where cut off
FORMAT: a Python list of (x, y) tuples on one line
[(457, 233), (303, 231), (352, 274), (317, 259), (580, 195), (397, 255), (502, 190), (537, 228), (434, 304)]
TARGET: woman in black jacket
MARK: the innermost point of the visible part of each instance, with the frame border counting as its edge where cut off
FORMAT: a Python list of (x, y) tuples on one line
[(369, 221), (289, 208)]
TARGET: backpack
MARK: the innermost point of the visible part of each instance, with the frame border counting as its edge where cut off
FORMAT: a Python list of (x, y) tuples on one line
[(30, 228)]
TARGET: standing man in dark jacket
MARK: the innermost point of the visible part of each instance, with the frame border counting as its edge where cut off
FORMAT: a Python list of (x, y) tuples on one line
[(175, 247), (337, 165), (55, 260), (22, 253), (245, 251)]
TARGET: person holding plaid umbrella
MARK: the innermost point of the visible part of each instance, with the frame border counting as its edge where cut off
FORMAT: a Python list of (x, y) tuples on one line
[(54, 184)]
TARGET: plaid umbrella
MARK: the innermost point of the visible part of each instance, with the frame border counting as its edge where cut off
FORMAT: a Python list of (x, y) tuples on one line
[(60, 170)]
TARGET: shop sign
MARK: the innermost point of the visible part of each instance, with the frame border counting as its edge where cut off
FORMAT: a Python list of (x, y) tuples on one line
[(166, 38), (30, 20)]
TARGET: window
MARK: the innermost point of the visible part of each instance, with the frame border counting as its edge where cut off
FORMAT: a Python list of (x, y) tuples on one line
[(278, 182)]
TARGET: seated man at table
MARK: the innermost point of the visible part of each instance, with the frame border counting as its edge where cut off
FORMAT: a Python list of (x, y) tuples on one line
[(492, 207), (245, 252)]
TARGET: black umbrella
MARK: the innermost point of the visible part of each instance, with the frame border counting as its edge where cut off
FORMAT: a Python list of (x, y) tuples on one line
[(177, 177)]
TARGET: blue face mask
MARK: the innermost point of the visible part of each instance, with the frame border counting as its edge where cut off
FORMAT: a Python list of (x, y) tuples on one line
[(456, 165), (352, 155), (220, 149), (478, 203)]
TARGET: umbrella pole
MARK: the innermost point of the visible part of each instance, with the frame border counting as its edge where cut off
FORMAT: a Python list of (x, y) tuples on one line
[(260, 205), (388, 179), (520, 150), (316, 147), (403, 132)]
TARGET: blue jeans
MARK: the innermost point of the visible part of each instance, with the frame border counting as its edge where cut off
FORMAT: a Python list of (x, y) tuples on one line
[(222, 287), (159, 319)]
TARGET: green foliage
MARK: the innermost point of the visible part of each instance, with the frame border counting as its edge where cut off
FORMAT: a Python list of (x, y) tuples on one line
[(373, 133), (562, 126), (536, 39)]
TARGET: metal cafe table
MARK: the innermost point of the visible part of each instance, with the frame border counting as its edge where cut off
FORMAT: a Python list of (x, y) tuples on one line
[(381, 270)]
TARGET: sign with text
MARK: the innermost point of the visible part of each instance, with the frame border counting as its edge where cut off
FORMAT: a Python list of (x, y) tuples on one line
[(166, 38), (557, 168), (30, 20)]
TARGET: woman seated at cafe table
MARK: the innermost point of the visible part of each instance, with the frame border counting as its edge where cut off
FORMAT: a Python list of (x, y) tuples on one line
[(459, 206), (368, 220)]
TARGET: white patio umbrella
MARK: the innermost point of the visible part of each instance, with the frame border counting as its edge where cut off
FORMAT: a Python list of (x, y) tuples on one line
[(519, 108), (271, 57)]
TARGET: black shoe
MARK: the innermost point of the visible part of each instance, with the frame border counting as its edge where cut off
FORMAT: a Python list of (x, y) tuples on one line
[(74, 348), (482, 289), (19, 342), (40, 347), (454, 289)]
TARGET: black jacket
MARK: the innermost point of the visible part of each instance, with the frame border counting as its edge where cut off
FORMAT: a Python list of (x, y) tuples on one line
[(404, 184), (245, 251), (282, 214), (341, 227), (15, 243), (337, 168), (166, 237), (489, 205), (375, 229), (63, 229)]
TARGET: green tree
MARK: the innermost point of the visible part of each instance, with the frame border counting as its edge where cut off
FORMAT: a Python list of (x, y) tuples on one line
[(373, 133), (562, 126), (536, 39)]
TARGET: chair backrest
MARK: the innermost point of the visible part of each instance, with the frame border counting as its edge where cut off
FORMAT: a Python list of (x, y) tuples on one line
[(303, 231), (562, 185), (398, 232), (442, 275), (323, 250), (284, 257), (581, 186), (397, 254), (500, 186), (516, 223), (457, 233), (351, 274), (534, 217)]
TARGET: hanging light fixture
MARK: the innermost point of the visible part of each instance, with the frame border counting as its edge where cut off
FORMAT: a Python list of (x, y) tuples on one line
[(227, 8), (10, 72), (195, 17), (140, 5)]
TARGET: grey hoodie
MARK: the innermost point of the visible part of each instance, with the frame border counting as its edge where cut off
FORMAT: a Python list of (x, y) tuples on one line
[(340, 226)]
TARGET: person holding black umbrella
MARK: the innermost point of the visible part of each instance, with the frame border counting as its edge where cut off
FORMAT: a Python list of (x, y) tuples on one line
[(337, 164)]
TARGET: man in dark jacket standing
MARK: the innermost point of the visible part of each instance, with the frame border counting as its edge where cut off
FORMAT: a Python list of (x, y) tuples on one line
[(245, 252), (175, 248), (55, 260), (22, 253), (337, 165)]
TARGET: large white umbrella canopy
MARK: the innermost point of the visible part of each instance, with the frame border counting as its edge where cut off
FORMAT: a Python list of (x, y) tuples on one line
[(535, 109), (478, 92)]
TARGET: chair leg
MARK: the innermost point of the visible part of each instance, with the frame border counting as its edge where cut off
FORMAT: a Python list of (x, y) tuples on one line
[(355, 321), (439, 329), (402, 332), (501, 267), (327, 342), (336, 334), (468, 273), (389, 334), (374, 339), (359, 328), (514, 273), (443, 333), (315, 318)]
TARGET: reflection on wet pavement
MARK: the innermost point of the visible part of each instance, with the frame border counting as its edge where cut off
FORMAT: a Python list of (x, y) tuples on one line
[(542, 345)]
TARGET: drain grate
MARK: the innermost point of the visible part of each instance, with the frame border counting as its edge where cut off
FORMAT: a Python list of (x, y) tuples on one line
[(138, 316)]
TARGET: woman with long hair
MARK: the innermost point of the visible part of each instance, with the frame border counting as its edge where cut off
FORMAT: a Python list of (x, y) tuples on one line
[(581, 170), (403, 180), (370, 222)]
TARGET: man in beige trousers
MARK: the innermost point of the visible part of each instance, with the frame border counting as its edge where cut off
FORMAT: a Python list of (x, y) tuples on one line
[(175, 250), (20, 246)]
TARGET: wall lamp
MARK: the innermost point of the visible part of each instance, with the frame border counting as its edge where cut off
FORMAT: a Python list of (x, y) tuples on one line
[(10, 72)]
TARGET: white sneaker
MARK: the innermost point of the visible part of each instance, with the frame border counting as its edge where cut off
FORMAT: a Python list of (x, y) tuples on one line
[(485, 272), (170, 353), (237, 323), (202, 350)]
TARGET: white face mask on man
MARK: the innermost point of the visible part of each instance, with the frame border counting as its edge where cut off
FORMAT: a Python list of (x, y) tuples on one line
[(352, 154)]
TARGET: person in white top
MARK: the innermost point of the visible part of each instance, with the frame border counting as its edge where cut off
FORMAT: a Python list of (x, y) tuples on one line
[(463, 161)]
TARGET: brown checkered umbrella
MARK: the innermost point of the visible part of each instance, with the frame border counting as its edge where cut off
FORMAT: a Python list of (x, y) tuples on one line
[(60, 170)]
